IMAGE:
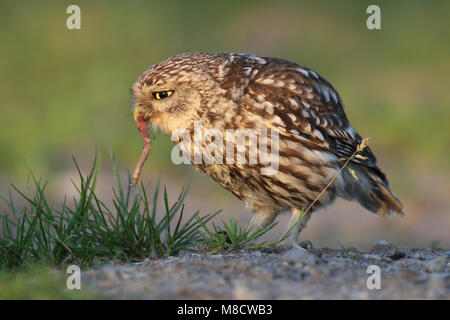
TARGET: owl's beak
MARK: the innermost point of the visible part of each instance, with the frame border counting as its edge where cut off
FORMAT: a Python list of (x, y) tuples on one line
[(138, 112), (146, 114)]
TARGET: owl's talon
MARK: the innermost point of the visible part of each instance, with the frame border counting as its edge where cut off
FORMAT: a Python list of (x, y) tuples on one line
[(306, 244)]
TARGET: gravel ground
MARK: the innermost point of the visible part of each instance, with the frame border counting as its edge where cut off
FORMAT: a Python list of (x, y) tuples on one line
[(406, 273)]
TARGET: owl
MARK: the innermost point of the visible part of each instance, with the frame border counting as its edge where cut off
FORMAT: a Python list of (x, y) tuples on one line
[(226, 91)]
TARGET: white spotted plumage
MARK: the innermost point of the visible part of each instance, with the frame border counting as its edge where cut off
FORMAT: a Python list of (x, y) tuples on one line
[(229, 90)]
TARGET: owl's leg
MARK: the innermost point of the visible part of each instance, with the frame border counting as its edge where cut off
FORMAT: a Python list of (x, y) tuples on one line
[(261, 219), (293, 240)]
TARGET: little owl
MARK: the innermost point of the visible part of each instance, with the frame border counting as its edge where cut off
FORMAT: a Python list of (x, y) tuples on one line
[(238, 91)]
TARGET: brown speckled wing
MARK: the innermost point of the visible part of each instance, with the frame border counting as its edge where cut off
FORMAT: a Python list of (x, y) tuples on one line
[(304, 106)]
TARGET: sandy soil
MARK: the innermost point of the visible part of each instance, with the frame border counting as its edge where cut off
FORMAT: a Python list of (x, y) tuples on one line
[(405, 273)]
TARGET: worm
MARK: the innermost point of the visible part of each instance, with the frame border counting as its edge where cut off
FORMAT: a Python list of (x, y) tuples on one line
[(142, 127)]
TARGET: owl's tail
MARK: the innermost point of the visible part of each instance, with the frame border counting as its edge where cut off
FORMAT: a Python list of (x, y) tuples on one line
[(371, 189)]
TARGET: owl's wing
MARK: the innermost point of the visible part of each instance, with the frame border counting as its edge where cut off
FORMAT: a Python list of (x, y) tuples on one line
[(306, 106)]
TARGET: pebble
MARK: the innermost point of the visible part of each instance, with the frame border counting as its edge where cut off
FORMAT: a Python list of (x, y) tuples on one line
[(436, 265), (419, 255), (382, 246), (381, 243), (257, 253), (306, 244), (300, 255)]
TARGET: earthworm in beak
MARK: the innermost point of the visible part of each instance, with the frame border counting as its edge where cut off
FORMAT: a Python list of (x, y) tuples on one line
[(142, 127)]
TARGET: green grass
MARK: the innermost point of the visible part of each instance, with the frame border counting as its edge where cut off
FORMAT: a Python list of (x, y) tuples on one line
[(347, 252), (87, 232), (39, 240), (232, 237)]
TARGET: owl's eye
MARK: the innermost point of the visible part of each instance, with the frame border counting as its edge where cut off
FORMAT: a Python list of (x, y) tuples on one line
[(162, 94)]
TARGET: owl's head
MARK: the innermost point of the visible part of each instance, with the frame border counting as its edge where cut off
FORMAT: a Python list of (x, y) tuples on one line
[(170, 94)]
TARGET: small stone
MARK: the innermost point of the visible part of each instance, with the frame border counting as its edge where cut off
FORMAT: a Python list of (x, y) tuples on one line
[(381, 243), (383, 247), (418, 256), (436, 265), (447, 253), (258, 253), (299, 255), (306, 244)]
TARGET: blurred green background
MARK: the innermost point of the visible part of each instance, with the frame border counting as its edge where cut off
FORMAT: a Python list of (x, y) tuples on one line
[(63, 92)]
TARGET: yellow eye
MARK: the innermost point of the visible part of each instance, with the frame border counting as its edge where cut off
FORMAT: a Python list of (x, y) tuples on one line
[(162, 94)]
